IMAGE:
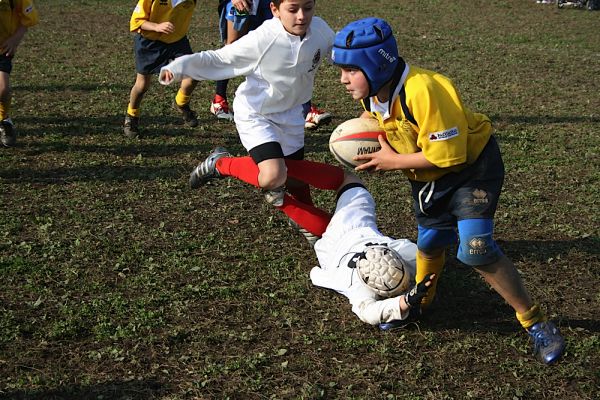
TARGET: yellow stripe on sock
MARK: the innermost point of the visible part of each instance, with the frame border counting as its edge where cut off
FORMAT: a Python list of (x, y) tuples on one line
[(531, 316), (4, 108), (182, 99), (134, 112)]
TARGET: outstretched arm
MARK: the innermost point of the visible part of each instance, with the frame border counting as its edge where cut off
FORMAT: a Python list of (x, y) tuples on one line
[(239, 58)]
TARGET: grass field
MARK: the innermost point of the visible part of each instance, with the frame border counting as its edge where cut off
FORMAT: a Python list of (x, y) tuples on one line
[(118, 282)]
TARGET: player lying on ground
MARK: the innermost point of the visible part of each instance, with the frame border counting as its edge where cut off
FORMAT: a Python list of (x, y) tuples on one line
[(375, 272)]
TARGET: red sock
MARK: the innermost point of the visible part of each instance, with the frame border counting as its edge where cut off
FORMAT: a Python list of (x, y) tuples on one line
[(319, 175), (242, 168), (316, 174), (307, 216), (299, 190)]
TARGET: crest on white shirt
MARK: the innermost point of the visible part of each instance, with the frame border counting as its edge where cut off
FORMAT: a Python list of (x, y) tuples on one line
[(315, 61)]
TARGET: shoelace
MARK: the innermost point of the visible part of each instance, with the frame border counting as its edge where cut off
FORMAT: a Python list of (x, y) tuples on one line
[(540, 339)]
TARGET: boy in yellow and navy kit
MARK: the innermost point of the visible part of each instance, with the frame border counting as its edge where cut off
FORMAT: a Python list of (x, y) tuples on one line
[(16, 16), (451, 159), (161, 28)]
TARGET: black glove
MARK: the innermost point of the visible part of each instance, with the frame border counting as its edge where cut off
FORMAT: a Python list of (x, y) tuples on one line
[(416, 294)]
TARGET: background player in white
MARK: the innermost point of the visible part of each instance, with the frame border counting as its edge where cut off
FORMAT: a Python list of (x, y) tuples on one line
[(279, 60), (374, 271)]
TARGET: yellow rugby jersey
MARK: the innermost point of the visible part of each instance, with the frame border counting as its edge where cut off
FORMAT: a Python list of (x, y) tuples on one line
[(450, 135), (15, 13), (178, 12)]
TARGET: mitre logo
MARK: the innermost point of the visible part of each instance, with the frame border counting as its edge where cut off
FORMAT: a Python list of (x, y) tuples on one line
[(387, 55)]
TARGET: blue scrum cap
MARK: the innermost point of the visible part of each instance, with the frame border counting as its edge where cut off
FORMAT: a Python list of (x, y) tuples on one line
[(369, 45)]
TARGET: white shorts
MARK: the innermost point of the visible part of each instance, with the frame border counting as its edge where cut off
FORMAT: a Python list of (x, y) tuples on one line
[(285, 128), (355, 209)]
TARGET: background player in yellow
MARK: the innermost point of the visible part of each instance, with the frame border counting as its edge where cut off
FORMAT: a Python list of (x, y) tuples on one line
[(16, 16), (452, 161), (161, 35)]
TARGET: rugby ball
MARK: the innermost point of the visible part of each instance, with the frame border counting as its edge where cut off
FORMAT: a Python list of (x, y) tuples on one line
[(355, 137)]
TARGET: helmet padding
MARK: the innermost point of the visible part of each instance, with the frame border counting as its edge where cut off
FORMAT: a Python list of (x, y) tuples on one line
[(368, 45), (382, 270)]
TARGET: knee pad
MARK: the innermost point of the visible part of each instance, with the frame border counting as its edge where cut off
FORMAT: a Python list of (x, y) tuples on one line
[(275, 196), (430, 238), (477, 245)]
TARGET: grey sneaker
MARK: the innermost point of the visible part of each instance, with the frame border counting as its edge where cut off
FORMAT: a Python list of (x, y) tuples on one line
[(189, 116), (207, 169), (274, 196), (130, 126), (310, 238), (548, 343), (8, 135)]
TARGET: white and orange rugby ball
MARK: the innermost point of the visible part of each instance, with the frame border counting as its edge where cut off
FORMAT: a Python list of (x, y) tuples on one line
[(355, 137)]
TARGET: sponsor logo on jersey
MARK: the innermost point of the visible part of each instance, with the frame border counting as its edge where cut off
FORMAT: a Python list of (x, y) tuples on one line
[(443, 135)]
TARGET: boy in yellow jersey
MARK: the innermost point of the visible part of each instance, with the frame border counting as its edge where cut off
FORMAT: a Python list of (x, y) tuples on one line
[(451, 160), (161, 28), (16, 16)]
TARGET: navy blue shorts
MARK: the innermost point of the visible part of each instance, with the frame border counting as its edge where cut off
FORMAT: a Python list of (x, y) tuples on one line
[(5, 64), (472, 193), (152, 55)]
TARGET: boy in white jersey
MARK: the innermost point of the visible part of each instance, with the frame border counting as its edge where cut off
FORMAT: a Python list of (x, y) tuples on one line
[(236, 18), (452, 161), (279, 60), (374, 271), (16, 16)]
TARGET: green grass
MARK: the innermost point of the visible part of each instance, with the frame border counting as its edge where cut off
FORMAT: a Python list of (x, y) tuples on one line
[(120, 283)]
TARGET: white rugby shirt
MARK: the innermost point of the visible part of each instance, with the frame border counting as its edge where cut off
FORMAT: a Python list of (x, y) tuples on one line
[(279, 67)]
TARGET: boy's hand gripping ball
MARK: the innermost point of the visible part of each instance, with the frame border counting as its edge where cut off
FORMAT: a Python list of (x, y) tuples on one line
[(355, 137)]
